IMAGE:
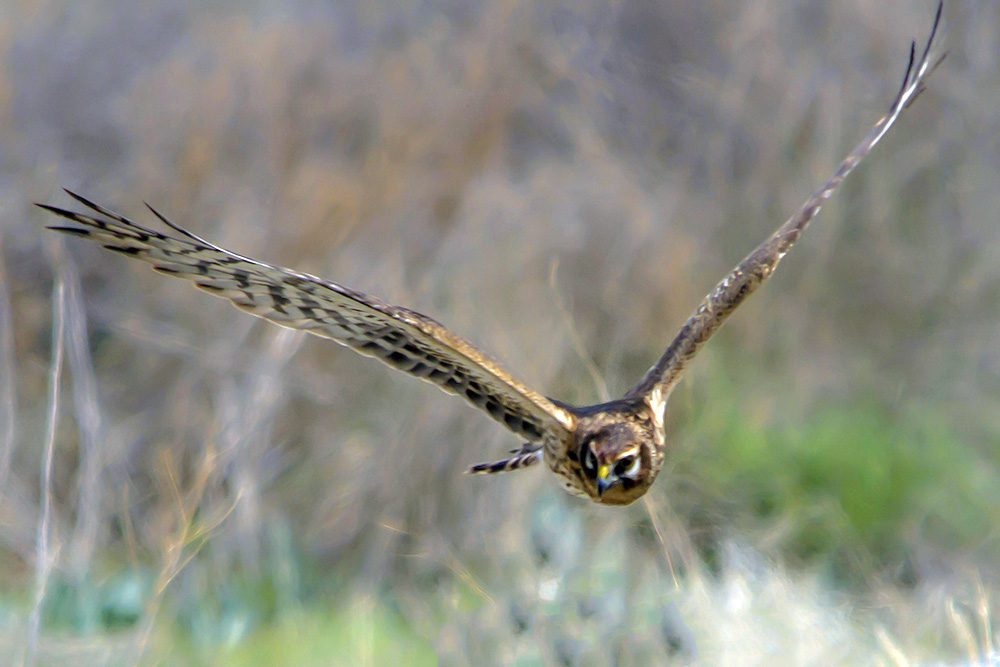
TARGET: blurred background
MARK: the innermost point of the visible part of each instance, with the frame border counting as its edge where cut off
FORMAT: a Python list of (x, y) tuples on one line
[(560, 183)]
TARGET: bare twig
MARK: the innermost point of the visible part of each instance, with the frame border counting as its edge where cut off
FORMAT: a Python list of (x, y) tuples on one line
[(88, 417), (45, 556), (191, 534), (8, 397)]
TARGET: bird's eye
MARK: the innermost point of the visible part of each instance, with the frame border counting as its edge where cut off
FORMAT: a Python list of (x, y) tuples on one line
[(589, 460), (627, 465)]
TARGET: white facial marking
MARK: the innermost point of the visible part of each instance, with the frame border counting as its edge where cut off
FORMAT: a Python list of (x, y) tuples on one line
[(633, 469)]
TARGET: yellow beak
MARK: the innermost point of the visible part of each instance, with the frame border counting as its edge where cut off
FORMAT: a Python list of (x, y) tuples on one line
[(603, 481)]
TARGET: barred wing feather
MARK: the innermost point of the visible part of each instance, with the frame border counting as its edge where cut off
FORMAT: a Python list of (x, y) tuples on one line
[(399, 337)]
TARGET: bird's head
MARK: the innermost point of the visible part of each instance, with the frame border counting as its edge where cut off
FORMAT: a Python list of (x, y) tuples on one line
[(619, 461)]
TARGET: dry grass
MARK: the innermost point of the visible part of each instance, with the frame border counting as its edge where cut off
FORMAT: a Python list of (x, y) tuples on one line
[(560, 183)]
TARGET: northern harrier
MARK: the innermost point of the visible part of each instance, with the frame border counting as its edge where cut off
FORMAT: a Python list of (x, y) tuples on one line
[(610, 452)]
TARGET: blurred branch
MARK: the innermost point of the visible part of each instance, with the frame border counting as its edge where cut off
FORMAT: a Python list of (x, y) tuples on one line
[(8, 397), (44, 559), (180, 548), (89, 422)]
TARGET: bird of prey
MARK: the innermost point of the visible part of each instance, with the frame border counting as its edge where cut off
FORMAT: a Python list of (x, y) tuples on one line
[(610, 452)]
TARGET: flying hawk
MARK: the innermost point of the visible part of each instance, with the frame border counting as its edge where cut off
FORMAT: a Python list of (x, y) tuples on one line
[(610, 452)]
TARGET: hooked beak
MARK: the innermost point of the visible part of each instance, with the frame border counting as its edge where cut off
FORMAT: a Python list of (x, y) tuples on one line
[(605, 478)]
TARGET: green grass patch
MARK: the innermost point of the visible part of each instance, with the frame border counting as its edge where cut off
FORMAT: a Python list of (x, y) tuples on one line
[(363, 632), (856, 482)]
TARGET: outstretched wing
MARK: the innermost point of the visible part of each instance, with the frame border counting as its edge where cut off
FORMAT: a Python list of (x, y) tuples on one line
[(400, 337), (759, 264)]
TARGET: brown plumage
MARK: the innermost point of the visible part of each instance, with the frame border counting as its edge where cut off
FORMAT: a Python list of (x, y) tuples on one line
[(609, 452)]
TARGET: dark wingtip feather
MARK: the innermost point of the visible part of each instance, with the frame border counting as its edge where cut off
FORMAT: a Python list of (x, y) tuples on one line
[(177, 228), (73, 231), (934, 29), (917, 70), (80, 198), (58, 211), (94, 206), (908, 74)]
